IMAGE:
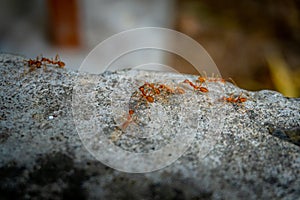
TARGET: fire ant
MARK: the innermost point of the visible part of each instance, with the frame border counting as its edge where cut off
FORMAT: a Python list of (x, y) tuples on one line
[(128, 120), (200, 88), (121, 128), (239, 99), (38, 62), (203, 79), (211, 79)]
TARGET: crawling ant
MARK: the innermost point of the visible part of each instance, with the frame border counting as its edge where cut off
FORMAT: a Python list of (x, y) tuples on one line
[(239, 99), (205, 78), (116, 134), (210, 79), (200, 88), (128, 120), (43, 61)]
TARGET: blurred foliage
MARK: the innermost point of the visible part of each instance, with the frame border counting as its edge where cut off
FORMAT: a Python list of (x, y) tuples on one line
[(282, 76), (242, 36)]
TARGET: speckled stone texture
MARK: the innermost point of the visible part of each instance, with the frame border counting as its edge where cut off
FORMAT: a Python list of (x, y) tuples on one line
[(253, 152)]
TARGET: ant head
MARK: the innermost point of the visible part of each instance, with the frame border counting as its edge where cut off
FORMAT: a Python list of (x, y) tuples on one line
[(201, 79), (242, 99), (131, 112)]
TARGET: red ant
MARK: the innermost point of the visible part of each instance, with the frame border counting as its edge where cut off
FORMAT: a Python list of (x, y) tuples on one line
[(200, 88), (128, 121), (239, 100), (211, 79), (233, 99), (37, 63), (115, 135), (203, 79)]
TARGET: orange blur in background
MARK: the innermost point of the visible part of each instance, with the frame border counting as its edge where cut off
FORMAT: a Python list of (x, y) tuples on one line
[(64, 23)]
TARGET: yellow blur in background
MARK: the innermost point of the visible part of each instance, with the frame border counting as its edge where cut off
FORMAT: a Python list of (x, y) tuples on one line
[(257, 43)]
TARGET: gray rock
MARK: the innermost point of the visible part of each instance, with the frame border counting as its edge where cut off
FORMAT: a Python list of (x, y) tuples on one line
[(238, 151)]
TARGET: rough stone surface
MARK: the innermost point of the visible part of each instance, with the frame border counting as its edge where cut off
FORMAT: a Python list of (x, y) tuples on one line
[(248, 151)]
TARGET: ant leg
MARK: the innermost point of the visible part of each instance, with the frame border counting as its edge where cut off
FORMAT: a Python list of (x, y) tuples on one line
[(209, 99), (232, 81), (205, 75), (213, 75), (57, 59), (205, 78), (243, 108), (126, 124), (116, 134), (242, 101), (40, 57), (179, 90), (26, 64), (44, 67), (185, 86), (123, 125)]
